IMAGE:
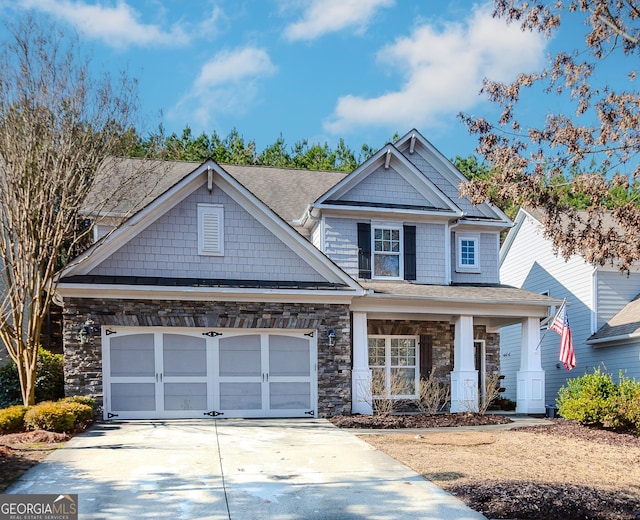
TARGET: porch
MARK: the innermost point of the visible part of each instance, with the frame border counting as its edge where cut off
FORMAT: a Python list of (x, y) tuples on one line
[(454, 331)]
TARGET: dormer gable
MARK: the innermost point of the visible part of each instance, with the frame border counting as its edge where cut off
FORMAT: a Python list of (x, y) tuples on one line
[(436, 167), (388, 182)]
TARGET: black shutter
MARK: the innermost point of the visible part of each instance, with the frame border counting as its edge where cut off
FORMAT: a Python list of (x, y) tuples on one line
[(364, 250), (426, 355), (409, 252)]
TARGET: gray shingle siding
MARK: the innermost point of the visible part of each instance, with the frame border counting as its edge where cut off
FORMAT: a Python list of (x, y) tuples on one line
[(168, 248)]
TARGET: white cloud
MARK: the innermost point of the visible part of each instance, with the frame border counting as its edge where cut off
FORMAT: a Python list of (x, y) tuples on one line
[(443, 71), (117, 26), (228, 83), (326, 16)]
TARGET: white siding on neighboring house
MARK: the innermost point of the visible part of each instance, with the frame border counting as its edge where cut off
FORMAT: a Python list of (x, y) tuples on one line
[(488, 256), (387, 187), (614, 290), (532, 264), (169, 247)]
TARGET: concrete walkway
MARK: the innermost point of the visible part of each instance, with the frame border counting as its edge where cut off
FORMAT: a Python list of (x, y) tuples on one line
[(235, 469)]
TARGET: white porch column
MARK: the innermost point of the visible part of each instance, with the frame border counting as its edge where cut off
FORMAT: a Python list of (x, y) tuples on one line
[(360, 374), (530, 377), (464, 378)]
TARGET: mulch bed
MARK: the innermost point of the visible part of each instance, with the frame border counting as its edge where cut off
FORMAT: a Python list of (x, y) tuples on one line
[(419, 420), (524, 500), (541, 501)]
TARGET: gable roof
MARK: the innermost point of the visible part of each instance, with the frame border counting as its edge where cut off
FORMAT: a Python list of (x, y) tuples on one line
[(414, 140), (387, 156), (623, 326), (134, 183), (82, 265), (287, 191)]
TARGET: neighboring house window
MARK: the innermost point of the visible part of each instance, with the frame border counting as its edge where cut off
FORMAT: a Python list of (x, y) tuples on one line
[(386, 251), (468, 252), (210, 230), (394, 364)]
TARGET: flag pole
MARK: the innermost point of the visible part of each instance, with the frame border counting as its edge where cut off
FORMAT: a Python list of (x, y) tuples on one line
[(564, 302)]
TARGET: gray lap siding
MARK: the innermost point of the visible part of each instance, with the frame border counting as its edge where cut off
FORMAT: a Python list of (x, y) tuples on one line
[(83, 362)]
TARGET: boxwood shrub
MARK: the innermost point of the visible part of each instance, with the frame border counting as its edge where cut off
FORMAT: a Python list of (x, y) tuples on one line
[(12, 419), (50, 416), (597, 400)]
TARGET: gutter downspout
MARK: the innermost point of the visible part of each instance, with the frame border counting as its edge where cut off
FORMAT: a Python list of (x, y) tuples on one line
[(308, 215), (448, 251), (594, 300)]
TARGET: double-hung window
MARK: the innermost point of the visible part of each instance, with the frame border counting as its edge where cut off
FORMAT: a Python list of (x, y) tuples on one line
[(394, 364), (386, 252), (468, 253)]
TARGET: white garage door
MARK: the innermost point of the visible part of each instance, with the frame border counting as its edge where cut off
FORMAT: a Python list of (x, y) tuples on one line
[(188, 373)]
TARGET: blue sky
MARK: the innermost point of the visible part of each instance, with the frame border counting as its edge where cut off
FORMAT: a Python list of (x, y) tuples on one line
[(307, 69)]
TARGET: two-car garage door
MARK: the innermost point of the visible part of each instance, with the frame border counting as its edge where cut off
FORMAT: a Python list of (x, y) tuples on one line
[(152, 373)]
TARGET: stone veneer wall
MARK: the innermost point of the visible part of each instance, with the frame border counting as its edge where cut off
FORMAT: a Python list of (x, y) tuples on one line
[(442, 336), (83, 363), (441, 333)]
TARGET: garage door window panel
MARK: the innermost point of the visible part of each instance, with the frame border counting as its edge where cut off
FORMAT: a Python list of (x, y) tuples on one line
[(184, 356), (288, 356), (241, 356), (132, 356)]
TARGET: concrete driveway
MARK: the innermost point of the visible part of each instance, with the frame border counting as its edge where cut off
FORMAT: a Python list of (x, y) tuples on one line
[(235, 469)]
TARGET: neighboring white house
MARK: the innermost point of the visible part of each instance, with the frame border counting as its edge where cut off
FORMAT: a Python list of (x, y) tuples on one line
[(267, 292), (603, 316)]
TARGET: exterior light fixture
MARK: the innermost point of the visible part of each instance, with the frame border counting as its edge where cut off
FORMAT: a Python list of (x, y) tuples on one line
[(331, 334), (86, 331)]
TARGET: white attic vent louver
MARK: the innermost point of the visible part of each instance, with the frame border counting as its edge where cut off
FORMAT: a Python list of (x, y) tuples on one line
[(210, 230)]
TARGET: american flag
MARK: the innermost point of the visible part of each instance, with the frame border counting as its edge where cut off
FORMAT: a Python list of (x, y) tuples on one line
[(561, 326)]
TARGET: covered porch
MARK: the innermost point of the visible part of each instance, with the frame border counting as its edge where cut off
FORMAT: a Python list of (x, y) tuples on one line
[(450, 330)]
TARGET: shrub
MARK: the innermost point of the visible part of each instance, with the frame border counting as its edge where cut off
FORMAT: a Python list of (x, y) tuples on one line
[(49, 380), (82, 399), (433, 395), (50, 416), (12, 419), (626, 405), (505, 404), (588, 399), (81, 412), (9, 385)]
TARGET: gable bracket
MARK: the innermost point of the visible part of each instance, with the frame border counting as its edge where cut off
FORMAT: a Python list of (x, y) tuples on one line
[(387, 160)]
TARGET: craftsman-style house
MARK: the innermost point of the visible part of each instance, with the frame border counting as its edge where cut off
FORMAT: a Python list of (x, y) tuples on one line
[(247, 291)]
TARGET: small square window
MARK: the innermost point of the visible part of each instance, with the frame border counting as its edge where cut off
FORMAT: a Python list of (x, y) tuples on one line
[(468, 253)]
